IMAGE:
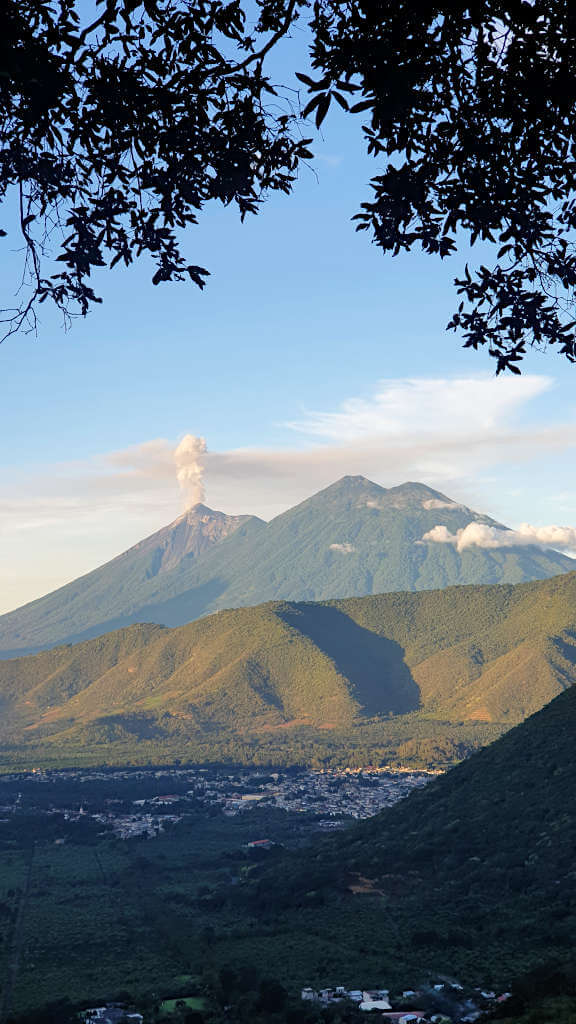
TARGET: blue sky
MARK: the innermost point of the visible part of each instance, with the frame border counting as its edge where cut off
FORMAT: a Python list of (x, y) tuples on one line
[(281, 357)]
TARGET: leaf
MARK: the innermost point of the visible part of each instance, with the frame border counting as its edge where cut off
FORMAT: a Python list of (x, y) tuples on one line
[(363, 105), (341, 100), (323, 107), (304, 78), (197, 274), (311, 106), (347, 86)]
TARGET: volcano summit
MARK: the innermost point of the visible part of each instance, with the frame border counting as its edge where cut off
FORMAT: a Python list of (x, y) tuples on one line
[(351, 539)]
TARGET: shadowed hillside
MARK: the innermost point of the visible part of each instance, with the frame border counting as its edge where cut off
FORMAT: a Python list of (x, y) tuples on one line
[(471, 876), (374, 664)]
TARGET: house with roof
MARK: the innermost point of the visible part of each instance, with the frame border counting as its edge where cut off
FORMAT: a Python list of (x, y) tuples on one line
[(375, 999), (405, 1016), (112, 1013)]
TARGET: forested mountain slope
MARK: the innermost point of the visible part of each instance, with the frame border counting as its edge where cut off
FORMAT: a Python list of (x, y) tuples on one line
[(110, 596), (471, 876), (386, 674), (352, 539)]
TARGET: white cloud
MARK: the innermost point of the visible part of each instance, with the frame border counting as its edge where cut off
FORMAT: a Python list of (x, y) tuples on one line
[(443, 432), (345, 549), (563, 537), (480, 535), (408, 407)]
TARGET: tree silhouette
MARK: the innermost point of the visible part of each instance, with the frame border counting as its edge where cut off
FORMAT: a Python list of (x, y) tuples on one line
[(115, 134)]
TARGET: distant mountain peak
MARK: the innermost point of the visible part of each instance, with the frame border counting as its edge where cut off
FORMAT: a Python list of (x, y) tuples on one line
[(363, 492), (415, 487), (352, 538), (197, 529), (349, 487), (200, 509), (412, 493), (202, 512), (351, 482), (354, 480)]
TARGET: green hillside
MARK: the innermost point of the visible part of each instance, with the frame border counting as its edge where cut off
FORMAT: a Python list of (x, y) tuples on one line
[(351, 539), (423, 677), (472, 876)]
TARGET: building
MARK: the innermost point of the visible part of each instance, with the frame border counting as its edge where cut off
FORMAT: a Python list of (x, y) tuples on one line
[(112, 1013), (308, 994)]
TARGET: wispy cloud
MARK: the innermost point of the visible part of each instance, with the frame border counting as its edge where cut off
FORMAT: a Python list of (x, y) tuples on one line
[(411, 406), (444, 432), (442, 429)]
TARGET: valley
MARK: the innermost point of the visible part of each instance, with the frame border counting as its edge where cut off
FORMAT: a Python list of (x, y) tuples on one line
[(467, 880), (82, 835)]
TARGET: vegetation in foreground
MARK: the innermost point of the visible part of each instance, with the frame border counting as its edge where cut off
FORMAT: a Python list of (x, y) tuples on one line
[(487, 82), (472, 876)]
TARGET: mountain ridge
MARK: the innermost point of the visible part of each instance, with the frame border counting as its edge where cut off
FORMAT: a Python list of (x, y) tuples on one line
[(351, 539), (392, 677)]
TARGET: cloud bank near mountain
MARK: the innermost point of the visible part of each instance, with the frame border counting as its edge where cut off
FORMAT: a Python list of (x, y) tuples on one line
[(562, 538)]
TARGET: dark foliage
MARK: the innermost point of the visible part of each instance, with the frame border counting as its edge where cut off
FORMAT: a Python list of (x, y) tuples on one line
[(475, 869), (118, 133), (469, 107), (115, 133)]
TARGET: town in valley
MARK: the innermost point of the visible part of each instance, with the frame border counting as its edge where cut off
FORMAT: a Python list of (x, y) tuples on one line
[(145, 802)]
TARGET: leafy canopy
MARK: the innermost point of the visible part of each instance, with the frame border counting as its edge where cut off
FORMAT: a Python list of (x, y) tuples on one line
[(118, 132)]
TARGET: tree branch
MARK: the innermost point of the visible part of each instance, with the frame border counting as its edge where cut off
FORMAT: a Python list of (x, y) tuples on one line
[(270, 44)]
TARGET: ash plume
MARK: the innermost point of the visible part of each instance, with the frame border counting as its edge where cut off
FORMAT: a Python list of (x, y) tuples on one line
[(190, 469)]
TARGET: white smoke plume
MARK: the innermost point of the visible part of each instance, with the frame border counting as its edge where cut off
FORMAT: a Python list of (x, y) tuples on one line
[(190, 469), (482, 536), (345, 549)]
